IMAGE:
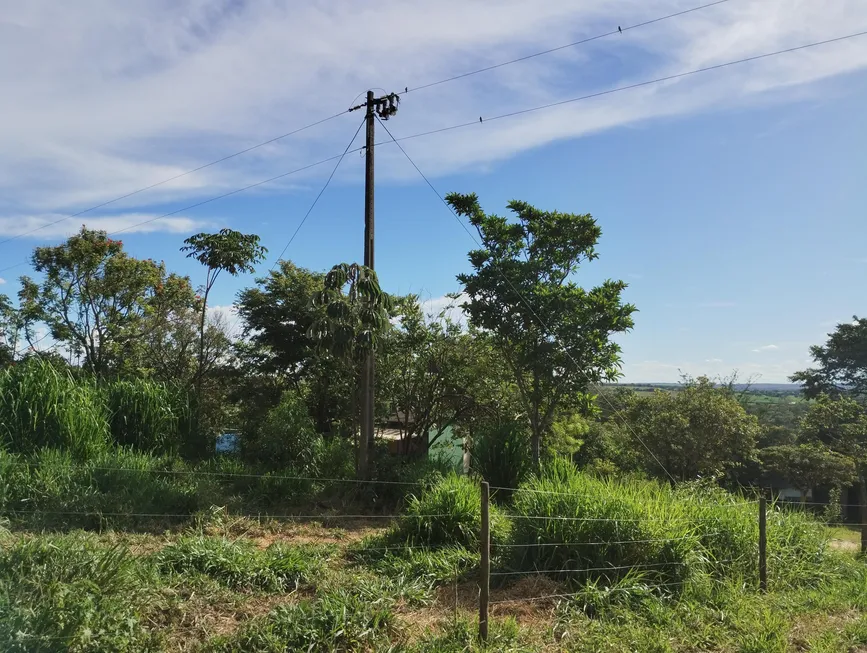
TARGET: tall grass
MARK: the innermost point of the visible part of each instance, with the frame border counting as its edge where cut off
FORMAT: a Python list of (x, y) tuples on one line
[(145, 415), (448, 513), (41, 406), (628, 526)]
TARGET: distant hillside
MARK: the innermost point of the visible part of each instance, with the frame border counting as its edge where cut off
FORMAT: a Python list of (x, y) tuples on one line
[(755, 387)]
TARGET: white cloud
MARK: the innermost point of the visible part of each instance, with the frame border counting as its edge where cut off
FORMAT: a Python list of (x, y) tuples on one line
[(226, 315), (2, 281), (713, 360), (433, 306), (51, 226), (766, 348), (113, 96)]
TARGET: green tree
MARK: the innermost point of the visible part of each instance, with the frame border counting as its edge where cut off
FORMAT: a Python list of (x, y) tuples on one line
[(11, 326), (278, 351), (808, 465), (841, 425), (429, 371), (841, 363), (839, 383), (699, 430), (351, 326), (226, 251), (94, 298), (553, 334)]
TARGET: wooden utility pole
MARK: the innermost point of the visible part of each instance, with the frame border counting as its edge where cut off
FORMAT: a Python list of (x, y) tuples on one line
[(384, 107)]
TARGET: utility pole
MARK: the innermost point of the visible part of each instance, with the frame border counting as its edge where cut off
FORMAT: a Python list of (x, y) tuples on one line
[(384, 107)]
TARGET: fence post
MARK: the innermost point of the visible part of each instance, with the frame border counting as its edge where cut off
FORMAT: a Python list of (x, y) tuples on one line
[(763, 545), (485, 565)]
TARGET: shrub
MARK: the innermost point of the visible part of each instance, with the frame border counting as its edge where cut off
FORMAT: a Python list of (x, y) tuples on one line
[(117, 487), (337, 621), (448, 513), (500, 454), (287, 438), (623, 527), (42, 406), (239, 564), (143, 414)]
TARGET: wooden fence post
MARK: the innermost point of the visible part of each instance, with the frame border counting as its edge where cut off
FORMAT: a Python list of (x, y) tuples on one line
[(763, 545), (485, 565)]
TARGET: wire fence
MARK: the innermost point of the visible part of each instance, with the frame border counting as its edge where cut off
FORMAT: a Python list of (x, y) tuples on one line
[(657, 550)]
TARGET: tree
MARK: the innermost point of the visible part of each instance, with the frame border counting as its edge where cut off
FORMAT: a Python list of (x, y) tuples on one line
[(11, 326), (698, 430), (351, 326), (226, 251), (278, 351), (94, 298), (841, 363), (429, 372), (553, 334), (839, 383), (808, 465)]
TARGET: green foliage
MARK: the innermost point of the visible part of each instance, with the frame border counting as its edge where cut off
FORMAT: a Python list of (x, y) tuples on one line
[(94, 298), (41, 406), (700, 430), (354, 312), (448, 513), (620, 528), (809, 465), (70, 594), (144, 414), (238, 564), (524, 270), (335, 622), (500, 454), (287, 438), (841, 363), (430, 371), (568, 434)]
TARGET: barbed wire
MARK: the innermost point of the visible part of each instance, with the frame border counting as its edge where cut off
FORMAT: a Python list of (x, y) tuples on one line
[(576, 594), (606, 543)]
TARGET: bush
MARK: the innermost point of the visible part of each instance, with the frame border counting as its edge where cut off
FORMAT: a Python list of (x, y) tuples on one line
[(287, 438), (500, 454), (448, 513), (118, 487), (240, 565), (623, 527), (42, 406), (143, 414), (337, 621)]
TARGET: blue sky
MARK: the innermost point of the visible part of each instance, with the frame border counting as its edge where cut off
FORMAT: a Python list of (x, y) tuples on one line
[(732, 202)]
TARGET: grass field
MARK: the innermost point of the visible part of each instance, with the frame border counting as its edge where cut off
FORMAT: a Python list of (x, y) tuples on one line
[(672, 571), (239, 585)]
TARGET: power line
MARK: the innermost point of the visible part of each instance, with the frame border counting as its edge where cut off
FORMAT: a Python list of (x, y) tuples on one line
[(518, 294), (215, 198), (170, 179), (340, 113), (508, 115), (309, 211), (619, 30), (628, 87), (313, 205)]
